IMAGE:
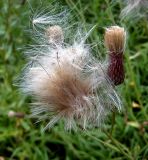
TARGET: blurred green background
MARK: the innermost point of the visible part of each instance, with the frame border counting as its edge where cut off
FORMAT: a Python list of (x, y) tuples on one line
[(22, 139)]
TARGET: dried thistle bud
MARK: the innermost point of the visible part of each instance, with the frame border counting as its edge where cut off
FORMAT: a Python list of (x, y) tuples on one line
[(115, 42), (16, 114), (115, 39), (55, 34)]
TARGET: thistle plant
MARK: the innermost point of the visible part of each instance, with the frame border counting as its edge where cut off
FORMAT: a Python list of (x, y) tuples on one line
[(66, 81)]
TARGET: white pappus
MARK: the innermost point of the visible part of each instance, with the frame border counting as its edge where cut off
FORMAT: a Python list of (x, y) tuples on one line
[(66, 82)]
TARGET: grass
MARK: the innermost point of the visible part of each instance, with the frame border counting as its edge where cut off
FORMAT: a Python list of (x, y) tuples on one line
[(21, 138)]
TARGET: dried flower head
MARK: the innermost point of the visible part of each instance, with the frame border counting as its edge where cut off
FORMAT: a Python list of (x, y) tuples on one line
[(12, 114), (55, 34), (115, 42), (115, 39), (66, 81)]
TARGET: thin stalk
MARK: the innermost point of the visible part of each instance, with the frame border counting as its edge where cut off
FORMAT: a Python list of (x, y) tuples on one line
[(117, 146), (135, 88), (113, 123), (71, 3), (110, 14), (120, 147)]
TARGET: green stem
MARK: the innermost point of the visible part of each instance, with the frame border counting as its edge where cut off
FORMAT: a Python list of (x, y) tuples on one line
[(118, 147), (136, 89), (113, 123), (78, 11), (110, 14), (124, 150)]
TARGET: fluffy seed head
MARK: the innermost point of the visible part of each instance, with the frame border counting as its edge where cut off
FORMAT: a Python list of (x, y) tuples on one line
[(55, 34), (67, 82), (11, 114), (70, 85), (115, 39)]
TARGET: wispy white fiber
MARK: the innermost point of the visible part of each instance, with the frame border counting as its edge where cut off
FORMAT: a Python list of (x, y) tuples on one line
[(134, 9)]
